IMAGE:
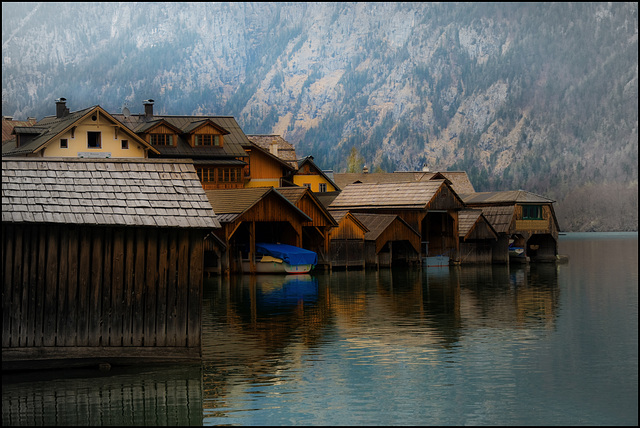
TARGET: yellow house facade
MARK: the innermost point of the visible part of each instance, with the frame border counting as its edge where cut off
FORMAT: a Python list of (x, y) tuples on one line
[(88, 133), (310, 176)]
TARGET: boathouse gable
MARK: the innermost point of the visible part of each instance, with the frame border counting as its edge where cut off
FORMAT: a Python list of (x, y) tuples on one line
[(477, 237), (316, 232), (346, 241), (430, 207), (251, 215)]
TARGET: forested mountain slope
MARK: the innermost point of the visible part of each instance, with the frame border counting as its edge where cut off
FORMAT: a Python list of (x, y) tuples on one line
[(542, 97)]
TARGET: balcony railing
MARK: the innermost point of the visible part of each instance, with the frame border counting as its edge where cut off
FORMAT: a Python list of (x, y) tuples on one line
[(532, 224)]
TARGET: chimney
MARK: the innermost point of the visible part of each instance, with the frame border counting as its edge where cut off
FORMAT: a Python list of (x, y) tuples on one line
[(61, 109), (148, 109), (273, 148), (365, 169)]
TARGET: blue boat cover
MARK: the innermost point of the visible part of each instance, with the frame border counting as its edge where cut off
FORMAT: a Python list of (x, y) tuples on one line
[(288, 253)]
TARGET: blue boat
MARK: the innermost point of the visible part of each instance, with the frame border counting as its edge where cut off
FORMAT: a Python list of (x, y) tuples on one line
[(281, 258)]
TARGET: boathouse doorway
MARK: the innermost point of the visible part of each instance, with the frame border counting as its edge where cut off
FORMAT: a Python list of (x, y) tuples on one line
[(542, 248), (440, 230)]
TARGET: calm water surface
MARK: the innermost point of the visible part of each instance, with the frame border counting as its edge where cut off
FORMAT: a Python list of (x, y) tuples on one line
[(529, 345)]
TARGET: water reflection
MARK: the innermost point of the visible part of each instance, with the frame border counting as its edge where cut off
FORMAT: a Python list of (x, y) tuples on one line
[(263, 334), (151, 396)]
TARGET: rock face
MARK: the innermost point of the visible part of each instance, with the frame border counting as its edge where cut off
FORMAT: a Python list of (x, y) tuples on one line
[(535, 96)]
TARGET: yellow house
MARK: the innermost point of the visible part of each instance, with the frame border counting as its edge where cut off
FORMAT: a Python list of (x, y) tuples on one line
[(265, 169), (87, 133), (310, 176)]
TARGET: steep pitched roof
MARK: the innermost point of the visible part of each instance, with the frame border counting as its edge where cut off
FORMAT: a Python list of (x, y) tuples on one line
[(296, 193), (459, 180), (234, 137), (230, 204), (339, 215), (309, 160), (123, 192), (8, 124), (286, 151), (504, 197), (49, 128), (378, 223), (499, 217), (407, 195), (468, 219)]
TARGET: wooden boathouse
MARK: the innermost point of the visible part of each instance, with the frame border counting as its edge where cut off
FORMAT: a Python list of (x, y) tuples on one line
[(477, 237), (429, 207), (389, 240), (102, 261), (346, 241), (250, 215), (315, 234), (522, 219)]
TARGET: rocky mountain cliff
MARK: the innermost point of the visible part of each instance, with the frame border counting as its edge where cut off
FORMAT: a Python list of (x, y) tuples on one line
[(542, 97)]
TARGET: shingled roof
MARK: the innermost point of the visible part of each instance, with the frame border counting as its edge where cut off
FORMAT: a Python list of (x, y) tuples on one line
[(286, 151), (230, 204), (378, 223), (234, 138), (504, 197), (459, 180), (123, 192), (50, 128), (8, 124), (500, 217), (408, 195), (469, 219)]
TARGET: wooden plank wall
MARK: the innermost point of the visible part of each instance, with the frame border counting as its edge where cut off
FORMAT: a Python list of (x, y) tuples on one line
[(80, 286)]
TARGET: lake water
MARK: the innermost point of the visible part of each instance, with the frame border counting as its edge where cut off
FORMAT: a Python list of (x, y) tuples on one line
[(493, 345)]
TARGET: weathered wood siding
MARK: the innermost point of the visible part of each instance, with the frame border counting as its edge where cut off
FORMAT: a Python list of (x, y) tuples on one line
[(476, 251), (347, 253), (96, 287)]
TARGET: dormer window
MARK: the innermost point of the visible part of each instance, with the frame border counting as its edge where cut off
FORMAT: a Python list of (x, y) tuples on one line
[(210, 140), (161, 139)]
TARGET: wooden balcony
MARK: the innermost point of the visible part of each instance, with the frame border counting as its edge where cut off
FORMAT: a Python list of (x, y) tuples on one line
[(532, 225)]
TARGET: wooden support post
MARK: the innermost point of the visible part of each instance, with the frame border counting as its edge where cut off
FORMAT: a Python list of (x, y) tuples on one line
[(252, 247)]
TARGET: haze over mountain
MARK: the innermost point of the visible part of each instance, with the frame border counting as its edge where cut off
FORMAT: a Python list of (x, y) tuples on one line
[(535, 96)]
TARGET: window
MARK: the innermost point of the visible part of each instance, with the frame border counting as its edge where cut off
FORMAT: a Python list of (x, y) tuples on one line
[(226, 175), (206, 174), (532, 212), (230, 175), (161, 139), (323, 187), (93, 140), (207, 140), (307, 185), (125, 144), (64, 143)]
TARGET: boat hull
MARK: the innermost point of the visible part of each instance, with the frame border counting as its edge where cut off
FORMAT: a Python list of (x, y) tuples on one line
[(275, 267)]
